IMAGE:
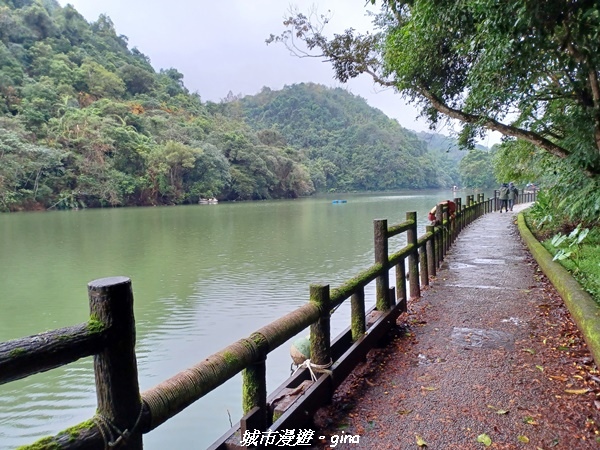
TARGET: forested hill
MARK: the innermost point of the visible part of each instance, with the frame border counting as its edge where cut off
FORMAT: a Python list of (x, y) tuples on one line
[(87, 121), (349, 145)]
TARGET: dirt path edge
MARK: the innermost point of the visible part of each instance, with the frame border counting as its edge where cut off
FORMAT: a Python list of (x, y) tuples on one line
[(583, 308)]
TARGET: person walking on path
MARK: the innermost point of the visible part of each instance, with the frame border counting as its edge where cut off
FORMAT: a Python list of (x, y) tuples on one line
[(503, 196), (487, 356), (513, 194)]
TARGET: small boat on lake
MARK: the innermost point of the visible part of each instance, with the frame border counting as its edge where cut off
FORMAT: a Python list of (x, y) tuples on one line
[(339, 201), (208, 201)]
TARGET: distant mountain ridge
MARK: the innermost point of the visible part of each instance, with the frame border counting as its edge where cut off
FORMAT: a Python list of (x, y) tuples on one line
[(350, 145)]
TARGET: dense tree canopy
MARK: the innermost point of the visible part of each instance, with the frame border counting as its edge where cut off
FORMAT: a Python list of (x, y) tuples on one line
[(346, 141), (86, 121), (526, 69)]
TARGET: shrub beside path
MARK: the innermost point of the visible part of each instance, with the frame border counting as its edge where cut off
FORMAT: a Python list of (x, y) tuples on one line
[(488, 357)]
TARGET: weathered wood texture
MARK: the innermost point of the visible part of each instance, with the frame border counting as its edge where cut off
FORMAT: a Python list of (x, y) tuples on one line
[(381, 257), (110, 336), (115, 365), (22, 357)]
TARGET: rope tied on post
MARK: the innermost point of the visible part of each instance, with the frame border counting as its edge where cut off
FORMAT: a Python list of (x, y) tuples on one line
[(109, 430), (315, 368)]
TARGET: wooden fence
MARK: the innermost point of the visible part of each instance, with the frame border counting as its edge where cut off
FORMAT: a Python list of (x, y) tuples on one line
[(123, 415)]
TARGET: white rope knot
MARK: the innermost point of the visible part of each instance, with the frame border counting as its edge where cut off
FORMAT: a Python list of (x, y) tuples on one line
[(315, 368)]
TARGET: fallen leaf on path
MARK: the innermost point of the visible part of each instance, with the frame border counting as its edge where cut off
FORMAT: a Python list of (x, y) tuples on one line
[(577, 391), (484, 439), (558, 377), (420, 441), (523, 439)]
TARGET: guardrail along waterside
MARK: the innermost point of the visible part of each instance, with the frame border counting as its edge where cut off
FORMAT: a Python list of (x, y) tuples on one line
[(124, 415)]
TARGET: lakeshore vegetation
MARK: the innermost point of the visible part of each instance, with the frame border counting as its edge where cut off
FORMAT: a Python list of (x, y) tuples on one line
[(85, 121), (528, 70)]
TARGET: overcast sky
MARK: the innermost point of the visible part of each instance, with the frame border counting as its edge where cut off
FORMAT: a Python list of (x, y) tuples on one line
[(219, 46)]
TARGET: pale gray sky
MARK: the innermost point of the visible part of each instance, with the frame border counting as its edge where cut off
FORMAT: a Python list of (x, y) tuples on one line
[(220, 46)]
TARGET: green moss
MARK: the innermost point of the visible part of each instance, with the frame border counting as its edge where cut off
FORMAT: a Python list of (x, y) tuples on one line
[(50, 443), (47, 443), (230, 358), (76, 430), (250, 390), (17, 351), (95, 325)]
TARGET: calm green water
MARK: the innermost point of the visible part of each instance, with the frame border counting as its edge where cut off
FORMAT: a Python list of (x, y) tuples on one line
[(203, 276)]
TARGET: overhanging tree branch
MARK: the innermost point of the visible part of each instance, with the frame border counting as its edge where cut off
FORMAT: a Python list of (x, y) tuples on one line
[(494, 125)]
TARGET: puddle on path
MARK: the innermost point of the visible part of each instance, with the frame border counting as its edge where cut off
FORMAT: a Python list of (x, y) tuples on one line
[(476, 286), (489, 261), (474, 337), (458, 266), (513, 320)]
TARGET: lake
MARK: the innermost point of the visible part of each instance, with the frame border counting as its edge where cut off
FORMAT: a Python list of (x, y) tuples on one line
[(203, 276)]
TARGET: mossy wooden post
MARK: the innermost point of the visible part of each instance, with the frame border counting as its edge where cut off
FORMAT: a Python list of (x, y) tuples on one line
[(320, 331), (423, 266), (430, 249), (459, 221), (455, 226), (357, 314), (469, 209), (413, 257), (439, 217), (446, 228), (401, 284), (381, 257), (254, 392), (115, 367), (481, 199)]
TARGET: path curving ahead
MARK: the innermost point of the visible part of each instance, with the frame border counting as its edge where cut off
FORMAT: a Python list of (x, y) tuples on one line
[(488, 352)]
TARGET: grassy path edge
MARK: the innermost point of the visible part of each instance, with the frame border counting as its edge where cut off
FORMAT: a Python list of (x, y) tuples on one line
[(583, 308)]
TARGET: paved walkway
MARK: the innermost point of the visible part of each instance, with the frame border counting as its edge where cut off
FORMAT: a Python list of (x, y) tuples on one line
[(489, 350)]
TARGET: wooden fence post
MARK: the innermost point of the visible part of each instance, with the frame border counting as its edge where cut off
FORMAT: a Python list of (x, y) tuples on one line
[(254, 395), (358, 323), (320, 331), (439, 217), (381, 257), (119, 403), (430, 248), (424, 267), (459, 218), (401, 284), (455, 226), (413, 258)]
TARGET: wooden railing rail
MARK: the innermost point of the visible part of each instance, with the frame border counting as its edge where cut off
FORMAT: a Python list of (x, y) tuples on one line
[(124, 415)]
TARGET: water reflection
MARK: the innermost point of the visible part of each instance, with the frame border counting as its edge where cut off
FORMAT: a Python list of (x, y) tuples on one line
[(203, 277)]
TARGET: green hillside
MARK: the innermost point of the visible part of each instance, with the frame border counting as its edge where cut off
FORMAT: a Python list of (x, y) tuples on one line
[(85, 121), (349, 145)]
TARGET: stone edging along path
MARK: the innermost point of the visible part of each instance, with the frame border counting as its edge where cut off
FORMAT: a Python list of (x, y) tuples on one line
[(584, 310)]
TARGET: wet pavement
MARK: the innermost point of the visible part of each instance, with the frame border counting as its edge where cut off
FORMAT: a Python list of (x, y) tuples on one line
[(476, 359)]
